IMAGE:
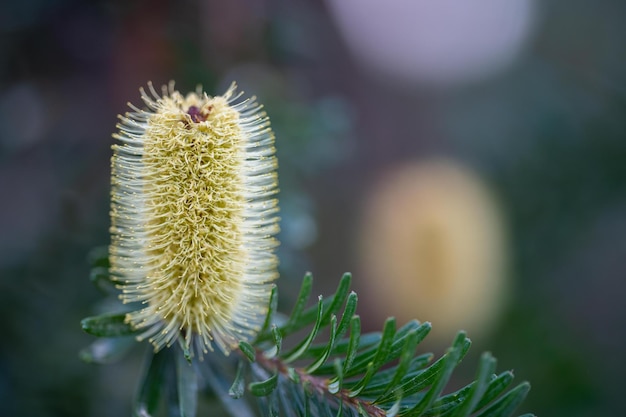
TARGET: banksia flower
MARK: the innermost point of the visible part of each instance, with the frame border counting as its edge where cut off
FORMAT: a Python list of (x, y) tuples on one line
[(193, 218)]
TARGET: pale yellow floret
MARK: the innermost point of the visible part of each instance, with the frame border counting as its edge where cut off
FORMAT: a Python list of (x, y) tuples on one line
[(194, 218)]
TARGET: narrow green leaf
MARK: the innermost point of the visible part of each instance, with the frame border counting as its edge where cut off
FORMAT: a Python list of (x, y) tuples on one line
[(338, 298), (421, 331), (379, 384), (147, 401), (278, 342), (405, 361), (353, 345), (107, 325), (336, 383), (293, 375), (107, 350), (263, 388), (303, 297), (367, 355), (486, 368), (187, 387), (380, 358), (273, 305), (443, 406), (247, 349), (452, 358), (237, 389), (496, 386), (331, 341), (415, 383), (296, 352), (367, 342), (506, 405), (348, 312)]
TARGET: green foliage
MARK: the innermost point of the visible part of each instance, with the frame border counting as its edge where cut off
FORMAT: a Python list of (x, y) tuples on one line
[(292, 371)]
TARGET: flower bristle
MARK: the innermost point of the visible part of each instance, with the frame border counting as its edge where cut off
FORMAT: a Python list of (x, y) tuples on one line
[(194, 217)]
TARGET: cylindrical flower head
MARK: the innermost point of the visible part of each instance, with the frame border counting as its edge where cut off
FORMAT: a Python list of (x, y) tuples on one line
[(193, 218)]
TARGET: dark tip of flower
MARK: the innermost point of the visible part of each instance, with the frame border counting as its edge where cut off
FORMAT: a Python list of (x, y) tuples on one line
[(196, 114)]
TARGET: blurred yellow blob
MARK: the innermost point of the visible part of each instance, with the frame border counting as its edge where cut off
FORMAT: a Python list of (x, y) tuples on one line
[(432, 247)]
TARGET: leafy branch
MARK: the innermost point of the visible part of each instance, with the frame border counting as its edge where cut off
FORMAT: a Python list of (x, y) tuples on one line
[(347, 374)]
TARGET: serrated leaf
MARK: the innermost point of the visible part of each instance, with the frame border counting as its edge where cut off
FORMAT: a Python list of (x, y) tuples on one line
[(107, 350), (153, 381), (263, 388), (506, 405), (238, 388), (107, 325)]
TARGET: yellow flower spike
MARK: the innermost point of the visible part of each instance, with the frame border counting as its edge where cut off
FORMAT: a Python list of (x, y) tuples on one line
[(193, 217)]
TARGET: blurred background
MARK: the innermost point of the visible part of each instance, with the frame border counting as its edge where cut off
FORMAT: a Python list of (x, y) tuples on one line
[(465, 160)]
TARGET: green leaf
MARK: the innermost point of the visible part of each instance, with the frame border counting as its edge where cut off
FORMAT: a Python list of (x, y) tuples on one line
[(353, 345), (338, 299), (107, 350), (148, 398), (263, 388), (278, 341), (414, 383), (406, 357), (273, 305), (107, 325), (379, 386), (237, 389), (247, 349), (296, 352), (380, 357), (303, 297), (324, 356), (486, 368), (348, 312), (448, 403), (335, 385), (451, 360), (187, 386), (496, 386), (506, 405)]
